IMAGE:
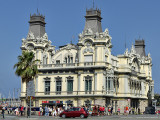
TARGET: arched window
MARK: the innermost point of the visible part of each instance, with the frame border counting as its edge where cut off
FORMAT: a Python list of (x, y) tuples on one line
[(69, 59)]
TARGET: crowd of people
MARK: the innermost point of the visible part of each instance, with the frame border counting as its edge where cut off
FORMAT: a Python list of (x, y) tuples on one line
[(50, 111), (95, 110)]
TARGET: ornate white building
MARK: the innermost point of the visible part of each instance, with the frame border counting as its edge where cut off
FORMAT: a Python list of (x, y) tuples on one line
[(87, 73)]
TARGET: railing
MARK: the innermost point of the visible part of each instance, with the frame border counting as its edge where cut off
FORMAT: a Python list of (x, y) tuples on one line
[(88, 63), (70, 93), (86, 93), (70, 64), (85, 64)]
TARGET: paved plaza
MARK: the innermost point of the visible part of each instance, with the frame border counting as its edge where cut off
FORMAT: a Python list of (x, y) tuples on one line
[(114, 117)]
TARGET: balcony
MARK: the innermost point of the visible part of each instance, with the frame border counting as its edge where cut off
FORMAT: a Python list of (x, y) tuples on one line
[(71, 93), (89, 64), (73, 65)]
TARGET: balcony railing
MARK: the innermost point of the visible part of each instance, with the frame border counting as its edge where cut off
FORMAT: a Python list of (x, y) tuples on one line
[(85, 93), (88, 63), (66, 93), (85, 64)]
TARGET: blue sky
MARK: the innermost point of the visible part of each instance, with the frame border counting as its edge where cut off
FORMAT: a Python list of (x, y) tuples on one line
[(126, 20)]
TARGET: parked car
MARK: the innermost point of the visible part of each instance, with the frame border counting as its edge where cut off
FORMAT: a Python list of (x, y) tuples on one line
[(74, 112)]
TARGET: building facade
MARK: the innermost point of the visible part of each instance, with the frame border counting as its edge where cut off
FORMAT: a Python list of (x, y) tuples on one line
[(88, 73)]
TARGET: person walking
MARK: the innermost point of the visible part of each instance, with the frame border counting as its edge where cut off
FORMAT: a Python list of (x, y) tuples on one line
[(111, 110), (21, 110), (46, 111), (40, 110), (54, 112), (28, 112), (118, 111), (127, 110), (3, 110)]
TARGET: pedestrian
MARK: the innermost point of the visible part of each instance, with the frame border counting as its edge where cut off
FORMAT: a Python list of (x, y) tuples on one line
[(132, 110), (40, 109), (103, 109), (118, 111), (46, 111), (17, 112), (98, 110), (21, 110), (127, 110), (8, 110), (3, 110), (11, 110), (54, 112), (28, 112), (50, 111), (111, 110)]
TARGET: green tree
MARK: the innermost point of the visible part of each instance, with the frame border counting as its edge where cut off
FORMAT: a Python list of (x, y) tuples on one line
[(157, 97), (26, 67)]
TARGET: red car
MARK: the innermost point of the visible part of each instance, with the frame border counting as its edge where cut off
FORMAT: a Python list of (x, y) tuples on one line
[(74, 112)]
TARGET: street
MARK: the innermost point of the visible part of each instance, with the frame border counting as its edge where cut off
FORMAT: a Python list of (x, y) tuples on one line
[(114, 117)]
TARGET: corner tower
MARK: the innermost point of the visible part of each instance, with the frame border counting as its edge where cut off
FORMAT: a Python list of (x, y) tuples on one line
[(140, 47), (93, 20), (37, 24)]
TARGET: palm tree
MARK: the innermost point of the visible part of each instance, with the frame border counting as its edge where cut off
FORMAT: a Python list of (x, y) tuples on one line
[(26, 67)]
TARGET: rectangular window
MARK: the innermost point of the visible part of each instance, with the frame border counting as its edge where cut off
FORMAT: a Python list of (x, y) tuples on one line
[(65, 60), (88, 58), (88, 85), (58, 86), (71, 59), (109, 83), (47, 87), (69, 86)]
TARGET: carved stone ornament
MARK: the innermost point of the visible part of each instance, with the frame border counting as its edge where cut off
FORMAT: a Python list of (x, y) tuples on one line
[(107, 51), (23, 41), (45, 36), (90, 50), (133, 49), (30, 47), (126, 52), (69, 47), (30, 36), (80, 35), (88, 32)]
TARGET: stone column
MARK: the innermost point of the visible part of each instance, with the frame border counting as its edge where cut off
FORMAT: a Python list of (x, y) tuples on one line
[(79, 54), (111, 83), (42, 56), (37, 84), (79, 81), (49, 58), (104, 81), (37, 54), (125, 84), (95, 53)]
